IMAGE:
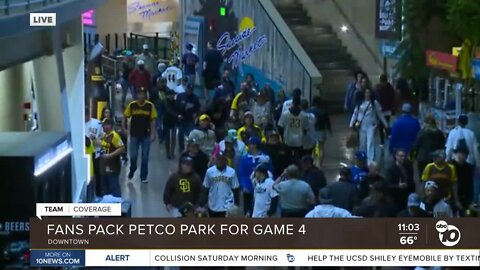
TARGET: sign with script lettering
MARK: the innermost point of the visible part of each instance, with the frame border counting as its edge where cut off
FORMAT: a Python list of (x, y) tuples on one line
[(152, 11), (242, 50), (441, 60), (388, 23)]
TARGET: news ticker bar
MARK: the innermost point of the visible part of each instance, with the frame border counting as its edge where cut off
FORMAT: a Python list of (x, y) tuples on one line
[(243, 233), (258, 258)]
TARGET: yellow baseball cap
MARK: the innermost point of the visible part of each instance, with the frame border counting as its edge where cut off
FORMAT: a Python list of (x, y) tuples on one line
[(204, 117)]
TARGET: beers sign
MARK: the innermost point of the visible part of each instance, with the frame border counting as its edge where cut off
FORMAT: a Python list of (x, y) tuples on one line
[(226, 43)]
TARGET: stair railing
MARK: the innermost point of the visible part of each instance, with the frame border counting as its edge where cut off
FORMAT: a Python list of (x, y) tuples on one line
[(297, 50), (362, 40)]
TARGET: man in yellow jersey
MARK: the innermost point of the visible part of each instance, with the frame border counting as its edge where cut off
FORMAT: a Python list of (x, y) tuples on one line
[(250, 129), (242, 102), (112, 150), (443, 174), (142, 115)]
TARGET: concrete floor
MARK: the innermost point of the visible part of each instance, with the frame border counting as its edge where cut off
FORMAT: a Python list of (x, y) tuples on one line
[(146, 198)]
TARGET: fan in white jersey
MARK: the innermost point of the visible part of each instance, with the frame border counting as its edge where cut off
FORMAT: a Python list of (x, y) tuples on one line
[(294, 124), (222, 184), (297, 93), (265, 197), (173, 75)]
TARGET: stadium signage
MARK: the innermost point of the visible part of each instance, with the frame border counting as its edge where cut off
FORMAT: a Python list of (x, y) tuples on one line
[(242, 52)]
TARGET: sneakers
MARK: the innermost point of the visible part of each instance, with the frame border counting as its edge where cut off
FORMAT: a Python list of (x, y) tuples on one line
[(130, 175), (144, 180)]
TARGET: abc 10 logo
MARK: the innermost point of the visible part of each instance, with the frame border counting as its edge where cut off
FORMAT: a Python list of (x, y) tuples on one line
[(449, 235)]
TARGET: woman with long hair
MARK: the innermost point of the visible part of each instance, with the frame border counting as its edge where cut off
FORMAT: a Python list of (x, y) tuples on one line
[(107, 114), (365, 120)]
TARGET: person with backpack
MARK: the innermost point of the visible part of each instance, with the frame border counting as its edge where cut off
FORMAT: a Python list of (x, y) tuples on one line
[(365, 120), (190, 64), (322, 126)]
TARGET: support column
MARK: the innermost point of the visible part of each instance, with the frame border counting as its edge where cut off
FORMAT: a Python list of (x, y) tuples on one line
[(11, 99), (73, 60), (50, 113)]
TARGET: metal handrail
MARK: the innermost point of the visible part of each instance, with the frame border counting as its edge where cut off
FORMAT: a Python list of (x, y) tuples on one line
[(9, 4), (282, 34), (378, 61), (289, 41)]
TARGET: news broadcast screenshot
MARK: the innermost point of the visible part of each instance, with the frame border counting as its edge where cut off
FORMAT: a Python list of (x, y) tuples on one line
[(239, 134)]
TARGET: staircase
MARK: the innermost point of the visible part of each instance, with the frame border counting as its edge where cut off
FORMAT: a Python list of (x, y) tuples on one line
[(326, 51)]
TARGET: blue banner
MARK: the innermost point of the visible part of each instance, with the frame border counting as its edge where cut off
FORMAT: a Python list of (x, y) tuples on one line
[(57, 258), (388, 49), (476, 68)]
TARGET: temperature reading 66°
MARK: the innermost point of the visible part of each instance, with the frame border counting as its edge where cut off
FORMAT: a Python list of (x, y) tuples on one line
[(408, 240)]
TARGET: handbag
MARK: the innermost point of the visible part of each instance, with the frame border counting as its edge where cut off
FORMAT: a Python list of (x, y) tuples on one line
[(352, 139)]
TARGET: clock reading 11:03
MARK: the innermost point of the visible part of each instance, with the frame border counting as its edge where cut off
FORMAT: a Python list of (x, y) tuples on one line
[(410, 227)]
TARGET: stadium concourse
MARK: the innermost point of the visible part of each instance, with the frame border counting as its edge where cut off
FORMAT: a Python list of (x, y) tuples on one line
[(147, 199)]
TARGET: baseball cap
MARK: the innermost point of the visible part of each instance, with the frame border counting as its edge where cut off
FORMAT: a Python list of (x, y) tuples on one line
[(325, 196), (273, 132), (361, 155), (141, 89), (140, 62), (228, 139), (254, 140), (406, 108), (247, 113), (307, 159), (145, 46), (463, 118), (413, 200), (108, 121), (232, 133), (204, 117), (262, 168), (192, 141), (297, 92), (186, 159), (222, 154), (431, 184), (438, 153), (161, 66), (345, 171)]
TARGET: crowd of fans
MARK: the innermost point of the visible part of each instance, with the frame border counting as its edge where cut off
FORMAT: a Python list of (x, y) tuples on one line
[(253, 152)]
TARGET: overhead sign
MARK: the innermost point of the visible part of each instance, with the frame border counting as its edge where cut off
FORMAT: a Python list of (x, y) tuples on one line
[(388, 23), (441, 60), (476, 68), (456, 51), (88, 17), (388, 49), (152, 11)]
